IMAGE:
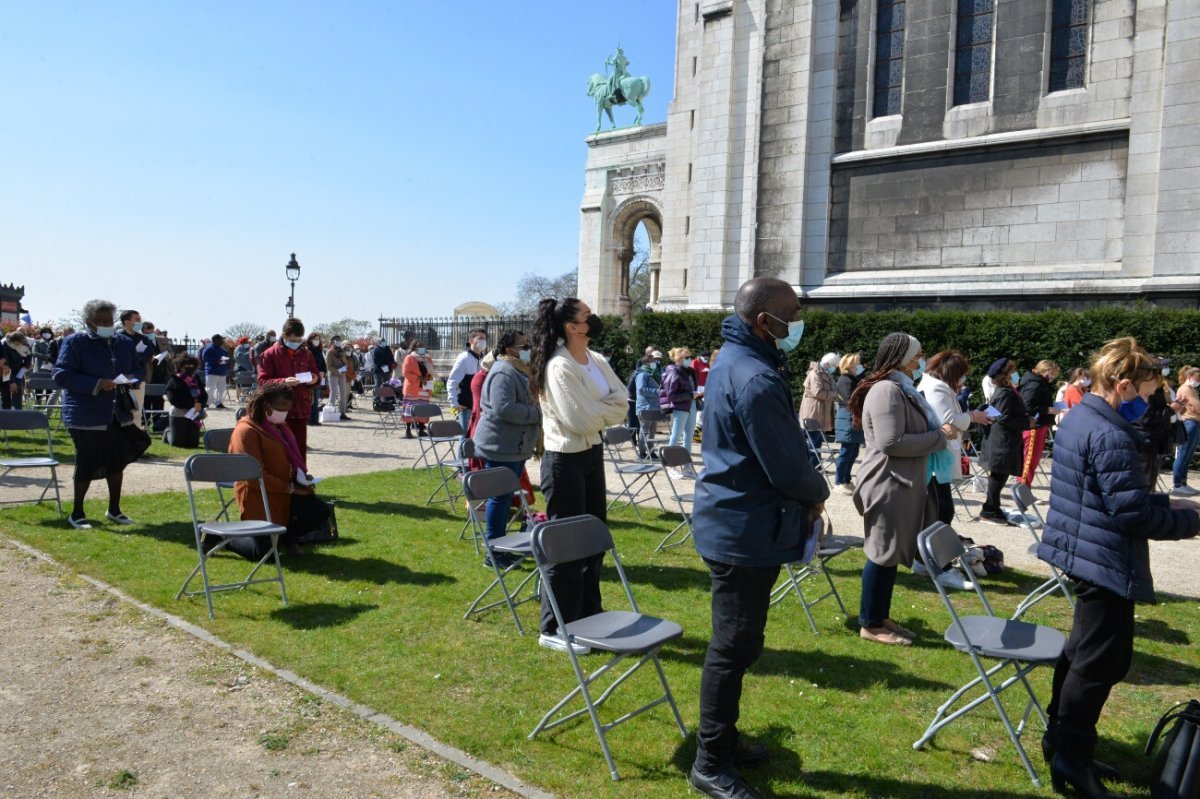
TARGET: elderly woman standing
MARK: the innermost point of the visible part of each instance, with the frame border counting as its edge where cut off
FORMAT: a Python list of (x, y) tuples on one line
[(901, 433), (940, 387), (819, 398), (95, 409), (844, 432)]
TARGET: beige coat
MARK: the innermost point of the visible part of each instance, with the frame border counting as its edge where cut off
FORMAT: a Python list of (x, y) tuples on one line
[(819, 396), (891, 494), (572, 417)]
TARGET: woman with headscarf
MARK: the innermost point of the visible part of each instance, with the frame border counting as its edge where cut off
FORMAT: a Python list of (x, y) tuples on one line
[(819, 398), (906, 444)]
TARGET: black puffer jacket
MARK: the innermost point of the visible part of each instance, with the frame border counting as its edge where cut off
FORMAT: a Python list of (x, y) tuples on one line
[(1102, 512), (1004, 445), (1038, 398)]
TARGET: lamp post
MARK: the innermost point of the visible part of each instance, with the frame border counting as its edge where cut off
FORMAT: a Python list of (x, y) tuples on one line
[(292, 270)]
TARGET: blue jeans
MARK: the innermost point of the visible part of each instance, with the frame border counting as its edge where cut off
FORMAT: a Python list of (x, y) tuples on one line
[(845, 462), (496, 517), (878, 583), (1185, 451), (683, 427), (464, 419)]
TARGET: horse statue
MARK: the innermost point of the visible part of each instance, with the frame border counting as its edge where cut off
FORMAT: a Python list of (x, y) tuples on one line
[(620, 88)]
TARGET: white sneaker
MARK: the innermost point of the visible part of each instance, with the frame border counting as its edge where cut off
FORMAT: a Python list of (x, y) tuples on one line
[(844, 488), (954, 579), (677, 474), (557, 643), (1184, 491), (919, 568)]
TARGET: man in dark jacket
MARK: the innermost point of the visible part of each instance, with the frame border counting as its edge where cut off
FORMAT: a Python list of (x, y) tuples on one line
[(131, 331), (384, 362), (216, 369), (756, 502)]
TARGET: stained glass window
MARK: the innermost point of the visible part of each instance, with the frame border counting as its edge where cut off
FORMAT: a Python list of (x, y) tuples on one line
[(973, 51), (889, 56), (1068, 43)]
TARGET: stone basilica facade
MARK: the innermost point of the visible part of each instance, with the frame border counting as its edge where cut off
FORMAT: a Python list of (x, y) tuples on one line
[(1015, 154)]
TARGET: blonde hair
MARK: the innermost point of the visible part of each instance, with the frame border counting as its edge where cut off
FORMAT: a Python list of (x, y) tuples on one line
[(848, 362), (1043, 367), (676, 352), (1123, 359), (1186, 372)]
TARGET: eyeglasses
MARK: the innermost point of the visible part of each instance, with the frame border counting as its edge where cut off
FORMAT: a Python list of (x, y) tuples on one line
[(525, 347)]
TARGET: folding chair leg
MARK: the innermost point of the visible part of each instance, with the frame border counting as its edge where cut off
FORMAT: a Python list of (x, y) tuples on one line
[(684, 525), (509, 596)]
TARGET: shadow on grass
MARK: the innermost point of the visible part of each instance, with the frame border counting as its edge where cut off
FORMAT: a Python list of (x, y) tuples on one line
[(838, 784), (392, 508), (664, 578), (317, 615), (836, 672), (1158, 630), (372, 570), (1150, 669), (784, 764)]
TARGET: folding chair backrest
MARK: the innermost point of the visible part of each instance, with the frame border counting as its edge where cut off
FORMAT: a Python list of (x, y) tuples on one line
[(426, 410), (812, 425), (939, 546), (41, 384), (214, 468), (218, 440), (616, 436), (385, 391), (23, 420), (569, 539), (674, 456), (466, 449), (651, 415), (1023, 496), (245, 379), (443, 428), (498, 481), (156, 390)]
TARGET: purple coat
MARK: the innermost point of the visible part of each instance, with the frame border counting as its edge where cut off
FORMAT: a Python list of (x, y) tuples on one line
[(678, 388)]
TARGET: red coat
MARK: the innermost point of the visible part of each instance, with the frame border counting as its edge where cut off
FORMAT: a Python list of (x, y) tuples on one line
[(278, 363)]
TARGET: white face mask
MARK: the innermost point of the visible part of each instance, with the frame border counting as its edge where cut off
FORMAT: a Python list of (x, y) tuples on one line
[(480, 346), (1194, 383), (1086, 382), (278, 417)]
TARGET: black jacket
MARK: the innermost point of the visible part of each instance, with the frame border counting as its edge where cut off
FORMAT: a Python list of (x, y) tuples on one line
[(1038, 398), (1156, 425), (180, 396), (1102, 510), (1004, 446)]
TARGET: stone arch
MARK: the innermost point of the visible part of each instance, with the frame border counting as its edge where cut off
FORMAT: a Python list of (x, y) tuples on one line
[(625, 219)]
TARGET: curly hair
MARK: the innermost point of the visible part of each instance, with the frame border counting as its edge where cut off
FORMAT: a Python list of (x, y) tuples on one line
[(260, 401)]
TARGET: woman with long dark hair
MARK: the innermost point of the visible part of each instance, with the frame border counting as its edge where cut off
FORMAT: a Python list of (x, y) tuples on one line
[(901, 433), (580, 396)]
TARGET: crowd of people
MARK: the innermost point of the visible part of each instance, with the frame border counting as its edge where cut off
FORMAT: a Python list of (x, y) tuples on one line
[(548, 394)]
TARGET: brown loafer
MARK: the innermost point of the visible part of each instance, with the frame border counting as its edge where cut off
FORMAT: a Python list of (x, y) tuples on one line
[(899, 630), (882, 635)]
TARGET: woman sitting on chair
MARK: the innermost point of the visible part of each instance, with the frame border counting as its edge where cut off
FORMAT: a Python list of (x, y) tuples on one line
[(264, 435)]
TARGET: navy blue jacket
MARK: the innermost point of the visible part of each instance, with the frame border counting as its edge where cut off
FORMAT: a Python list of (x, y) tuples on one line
[(83, 360), (1102, 512), (210, 356), (757, 485)]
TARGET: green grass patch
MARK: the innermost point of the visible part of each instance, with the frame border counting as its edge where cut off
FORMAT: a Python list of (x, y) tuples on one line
[(379, 617), (32, 443)]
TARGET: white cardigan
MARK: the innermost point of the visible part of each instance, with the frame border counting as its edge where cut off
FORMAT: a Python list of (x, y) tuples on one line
[(572, 417), (946, 408)]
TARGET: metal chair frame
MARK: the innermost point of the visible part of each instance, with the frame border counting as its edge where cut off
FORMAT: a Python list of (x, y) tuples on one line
[(214, 468), (431, 411), (31, 420), (676, 457), (1015, 644), (641, 473), (795, 574), (148, 416), (624, 634), (1025, 500), (448, 465), (217, 441), (826, 457), (479, 487), (387, 421)]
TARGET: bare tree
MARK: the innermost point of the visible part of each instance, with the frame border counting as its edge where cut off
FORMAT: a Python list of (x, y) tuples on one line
[(347, 329), (639, 277), (250, 330), (533, 288)]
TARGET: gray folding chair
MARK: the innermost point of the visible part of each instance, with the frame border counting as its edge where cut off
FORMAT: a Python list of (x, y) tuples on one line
[(1027, 503), (388, 413), (479, 487), (636, 476), (466, 451), (826, 457), (45, 394), (1015, 644), (31, 420), (623, 633), (648, 422), (677, 457), (218, 441), (796, 574), (444, 435), (154, 390), (246, 382), (430, 442), (228, 469)]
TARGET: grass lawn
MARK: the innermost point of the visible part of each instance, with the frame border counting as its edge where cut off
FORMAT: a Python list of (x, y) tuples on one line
[(379, 617), (30, 444)]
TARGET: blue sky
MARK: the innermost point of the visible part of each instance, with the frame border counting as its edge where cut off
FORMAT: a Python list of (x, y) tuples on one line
[(169, 156)]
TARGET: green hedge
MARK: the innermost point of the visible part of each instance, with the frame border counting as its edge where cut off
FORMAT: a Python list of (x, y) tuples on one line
[(1063, 336)]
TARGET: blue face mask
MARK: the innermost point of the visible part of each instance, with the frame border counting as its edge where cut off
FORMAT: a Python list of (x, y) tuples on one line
[(919, 371), (525, 355), (1015, 378), (420, 350), (1134, 409), (858, 370), (292, 345), (792, 339), (105, 332), (150, 337)]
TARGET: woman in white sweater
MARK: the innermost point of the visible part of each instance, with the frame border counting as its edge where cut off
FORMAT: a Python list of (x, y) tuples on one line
[(580, 396), (940, 386)]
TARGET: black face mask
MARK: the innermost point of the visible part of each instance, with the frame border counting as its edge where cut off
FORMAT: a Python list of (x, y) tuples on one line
[(595, 327), (191, 370)]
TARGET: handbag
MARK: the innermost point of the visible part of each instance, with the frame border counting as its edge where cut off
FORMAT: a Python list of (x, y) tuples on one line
[(1176, 771), (326, 533), (125, 400)]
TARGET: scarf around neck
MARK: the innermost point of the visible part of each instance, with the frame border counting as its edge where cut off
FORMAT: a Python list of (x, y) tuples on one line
[(283, 434)]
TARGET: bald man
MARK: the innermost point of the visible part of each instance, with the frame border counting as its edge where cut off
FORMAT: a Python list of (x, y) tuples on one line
[(755, 507)]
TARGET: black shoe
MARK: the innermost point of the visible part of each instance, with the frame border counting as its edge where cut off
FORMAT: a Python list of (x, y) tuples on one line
[(346, 418), (1087, 785), (220, 406), (1103, 770), (408, 434), (726, 784), (994, 518), (749, 754), (314, 424)]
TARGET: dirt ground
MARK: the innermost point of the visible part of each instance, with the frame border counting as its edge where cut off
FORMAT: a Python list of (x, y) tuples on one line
[(101, 700)]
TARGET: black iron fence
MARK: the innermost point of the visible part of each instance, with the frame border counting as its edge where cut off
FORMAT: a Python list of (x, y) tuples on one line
[(449, 333)]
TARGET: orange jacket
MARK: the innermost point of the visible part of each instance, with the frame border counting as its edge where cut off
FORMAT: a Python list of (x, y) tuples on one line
[(278, 473)]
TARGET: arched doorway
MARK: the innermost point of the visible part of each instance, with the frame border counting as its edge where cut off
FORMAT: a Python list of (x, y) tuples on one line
[(636, 249)]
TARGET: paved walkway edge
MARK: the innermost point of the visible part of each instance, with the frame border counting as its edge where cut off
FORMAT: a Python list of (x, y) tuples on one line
[(416, 736)]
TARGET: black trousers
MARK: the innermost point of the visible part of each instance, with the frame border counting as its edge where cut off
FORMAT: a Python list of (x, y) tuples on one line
[(573, 484), (1097, 656), (944, 496), (996, 481), (741, 596)]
